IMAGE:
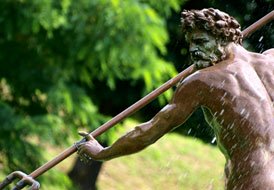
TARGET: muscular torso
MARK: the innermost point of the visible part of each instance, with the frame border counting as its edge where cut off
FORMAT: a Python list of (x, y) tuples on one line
[(237, 96)]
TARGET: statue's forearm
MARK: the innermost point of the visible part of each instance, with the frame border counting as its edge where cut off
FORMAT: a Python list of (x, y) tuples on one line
[(130, 143)]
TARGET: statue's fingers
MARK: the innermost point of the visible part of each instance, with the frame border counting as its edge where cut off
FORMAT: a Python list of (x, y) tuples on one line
[(81, 150), (82, 145)]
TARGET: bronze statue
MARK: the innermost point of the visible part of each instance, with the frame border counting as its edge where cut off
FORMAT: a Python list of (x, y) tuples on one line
[(235, 89)]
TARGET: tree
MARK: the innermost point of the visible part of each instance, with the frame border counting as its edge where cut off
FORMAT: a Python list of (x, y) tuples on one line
[(53, 56)]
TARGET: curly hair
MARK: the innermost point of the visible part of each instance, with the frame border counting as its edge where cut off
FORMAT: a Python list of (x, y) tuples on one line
[(213, 20)]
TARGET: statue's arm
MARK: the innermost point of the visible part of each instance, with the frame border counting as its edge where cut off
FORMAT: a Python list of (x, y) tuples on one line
[(143, 135)]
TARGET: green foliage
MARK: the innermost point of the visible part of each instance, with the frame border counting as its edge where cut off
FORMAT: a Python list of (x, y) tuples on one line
[(163, 6), (121, 26), (54, 54)]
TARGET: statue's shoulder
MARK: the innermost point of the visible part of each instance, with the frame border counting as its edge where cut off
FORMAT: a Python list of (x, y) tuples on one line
[(269, 52), (267, 60), (190, 80), (199, 77)]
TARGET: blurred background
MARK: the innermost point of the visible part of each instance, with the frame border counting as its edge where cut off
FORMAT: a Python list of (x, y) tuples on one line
[(71, 65)]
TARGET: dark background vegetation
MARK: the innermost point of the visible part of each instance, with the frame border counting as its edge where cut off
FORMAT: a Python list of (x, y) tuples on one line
[(70, 65)]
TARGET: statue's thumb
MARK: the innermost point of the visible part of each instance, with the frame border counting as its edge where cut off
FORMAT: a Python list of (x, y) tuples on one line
[(86, 135)]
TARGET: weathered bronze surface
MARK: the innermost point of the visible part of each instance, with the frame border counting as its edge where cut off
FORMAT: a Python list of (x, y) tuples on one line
[(234, 87)]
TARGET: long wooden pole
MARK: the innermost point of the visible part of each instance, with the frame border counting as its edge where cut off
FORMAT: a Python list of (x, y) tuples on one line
[(259, 24), (139, 104), (118, 118)]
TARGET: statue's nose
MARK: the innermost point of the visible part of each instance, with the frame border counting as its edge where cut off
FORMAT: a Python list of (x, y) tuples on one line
[(193, 47)]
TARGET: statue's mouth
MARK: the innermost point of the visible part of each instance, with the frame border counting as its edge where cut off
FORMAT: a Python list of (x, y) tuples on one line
[(198, 55)]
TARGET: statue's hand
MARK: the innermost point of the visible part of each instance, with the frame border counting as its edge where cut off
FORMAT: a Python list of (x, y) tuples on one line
[(89, 150)]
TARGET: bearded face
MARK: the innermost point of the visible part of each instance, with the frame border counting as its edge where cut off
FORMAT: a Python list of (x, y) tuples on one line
[(205, 49)]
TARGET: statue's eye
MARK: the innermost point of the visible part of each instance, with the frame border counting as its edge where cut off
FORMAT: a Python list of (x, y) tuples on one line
[(200, 41)]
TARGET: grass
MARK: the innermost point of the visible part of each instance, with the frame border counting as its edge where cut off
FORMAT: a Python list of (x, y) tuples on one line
[(174, 162)]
